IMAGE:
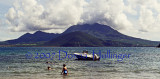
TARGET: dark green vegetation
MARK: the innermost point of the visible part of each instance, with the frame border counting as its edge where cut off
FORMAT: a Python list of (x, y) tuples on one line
[(81, 39), (37, 37), (106, 33), (76, 39), (3, 43), (94, 35)]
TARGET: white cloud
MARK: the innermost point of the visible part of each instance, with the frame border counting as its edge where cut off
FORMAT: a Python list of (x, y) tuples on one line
[(57, 15), (130, 10), (148, 14), (109, 12), (146, 19), (28, 15)]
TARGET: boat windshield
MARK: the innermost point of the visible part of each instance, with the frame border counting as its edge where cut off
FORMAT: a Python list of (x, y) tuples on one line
[(85, 51)]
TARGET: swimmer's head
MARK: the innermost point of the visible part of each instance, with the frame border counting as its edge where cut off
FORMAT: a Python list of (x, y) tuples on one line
[(49, 68), (64, 65)]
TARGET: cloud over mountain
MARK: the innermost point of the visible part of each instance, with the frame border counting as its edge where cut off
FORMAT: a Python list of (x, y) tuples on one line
[(32, 15)]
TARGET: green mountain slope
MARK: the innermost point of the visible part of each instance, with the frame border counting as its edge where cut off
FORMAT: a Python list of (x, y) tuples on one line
[(80, 39), (28, 38), (107, 33), (76, 39)]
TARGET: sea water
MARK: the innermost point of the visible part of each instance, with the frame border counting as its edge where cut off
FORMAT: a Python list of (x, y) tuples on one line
[(30, 63)]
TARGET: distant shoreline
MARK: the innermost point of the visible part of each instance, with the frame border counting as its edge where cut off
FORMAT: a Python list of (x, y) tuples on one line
[(68, 46)]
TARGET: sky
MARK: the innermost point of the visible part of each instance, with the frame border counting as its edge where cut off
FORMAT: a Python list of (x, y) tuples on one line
[(137, 18)]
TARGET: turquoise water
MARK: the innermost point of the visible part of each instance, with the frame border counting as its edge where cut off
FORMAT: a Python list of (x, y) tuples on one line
[(17, 63)]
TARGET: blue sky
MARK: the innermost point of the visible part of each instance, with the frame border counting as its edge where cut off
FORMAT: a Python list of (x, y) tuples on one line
[(137, 18)]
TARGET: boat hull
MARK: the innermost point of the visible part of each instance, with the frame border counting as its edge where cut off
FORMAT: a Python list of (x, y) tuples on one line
[(86, 57)]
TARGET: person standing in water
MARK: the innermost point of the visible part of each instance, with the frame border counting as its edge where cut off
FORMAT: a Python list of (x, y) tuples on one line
[(64, 70)]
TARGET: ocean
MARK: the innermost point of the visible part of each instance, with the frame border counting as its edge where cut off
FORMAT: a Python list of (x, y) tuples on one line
[(30, 63)]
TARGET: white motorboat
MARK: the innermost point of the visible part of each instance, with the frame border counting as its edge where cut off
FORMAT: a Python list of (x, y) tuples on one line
[(86, 56)]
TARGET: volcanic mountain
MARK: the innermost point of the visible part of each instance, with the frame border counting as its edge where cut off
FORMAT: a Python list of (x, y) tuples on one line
[(83, 35)]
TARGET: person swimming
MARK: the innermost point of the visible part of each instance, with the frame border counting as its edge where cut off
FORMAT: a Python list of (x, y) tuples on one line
[(49, 68), (64, 70), (49, 62)]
